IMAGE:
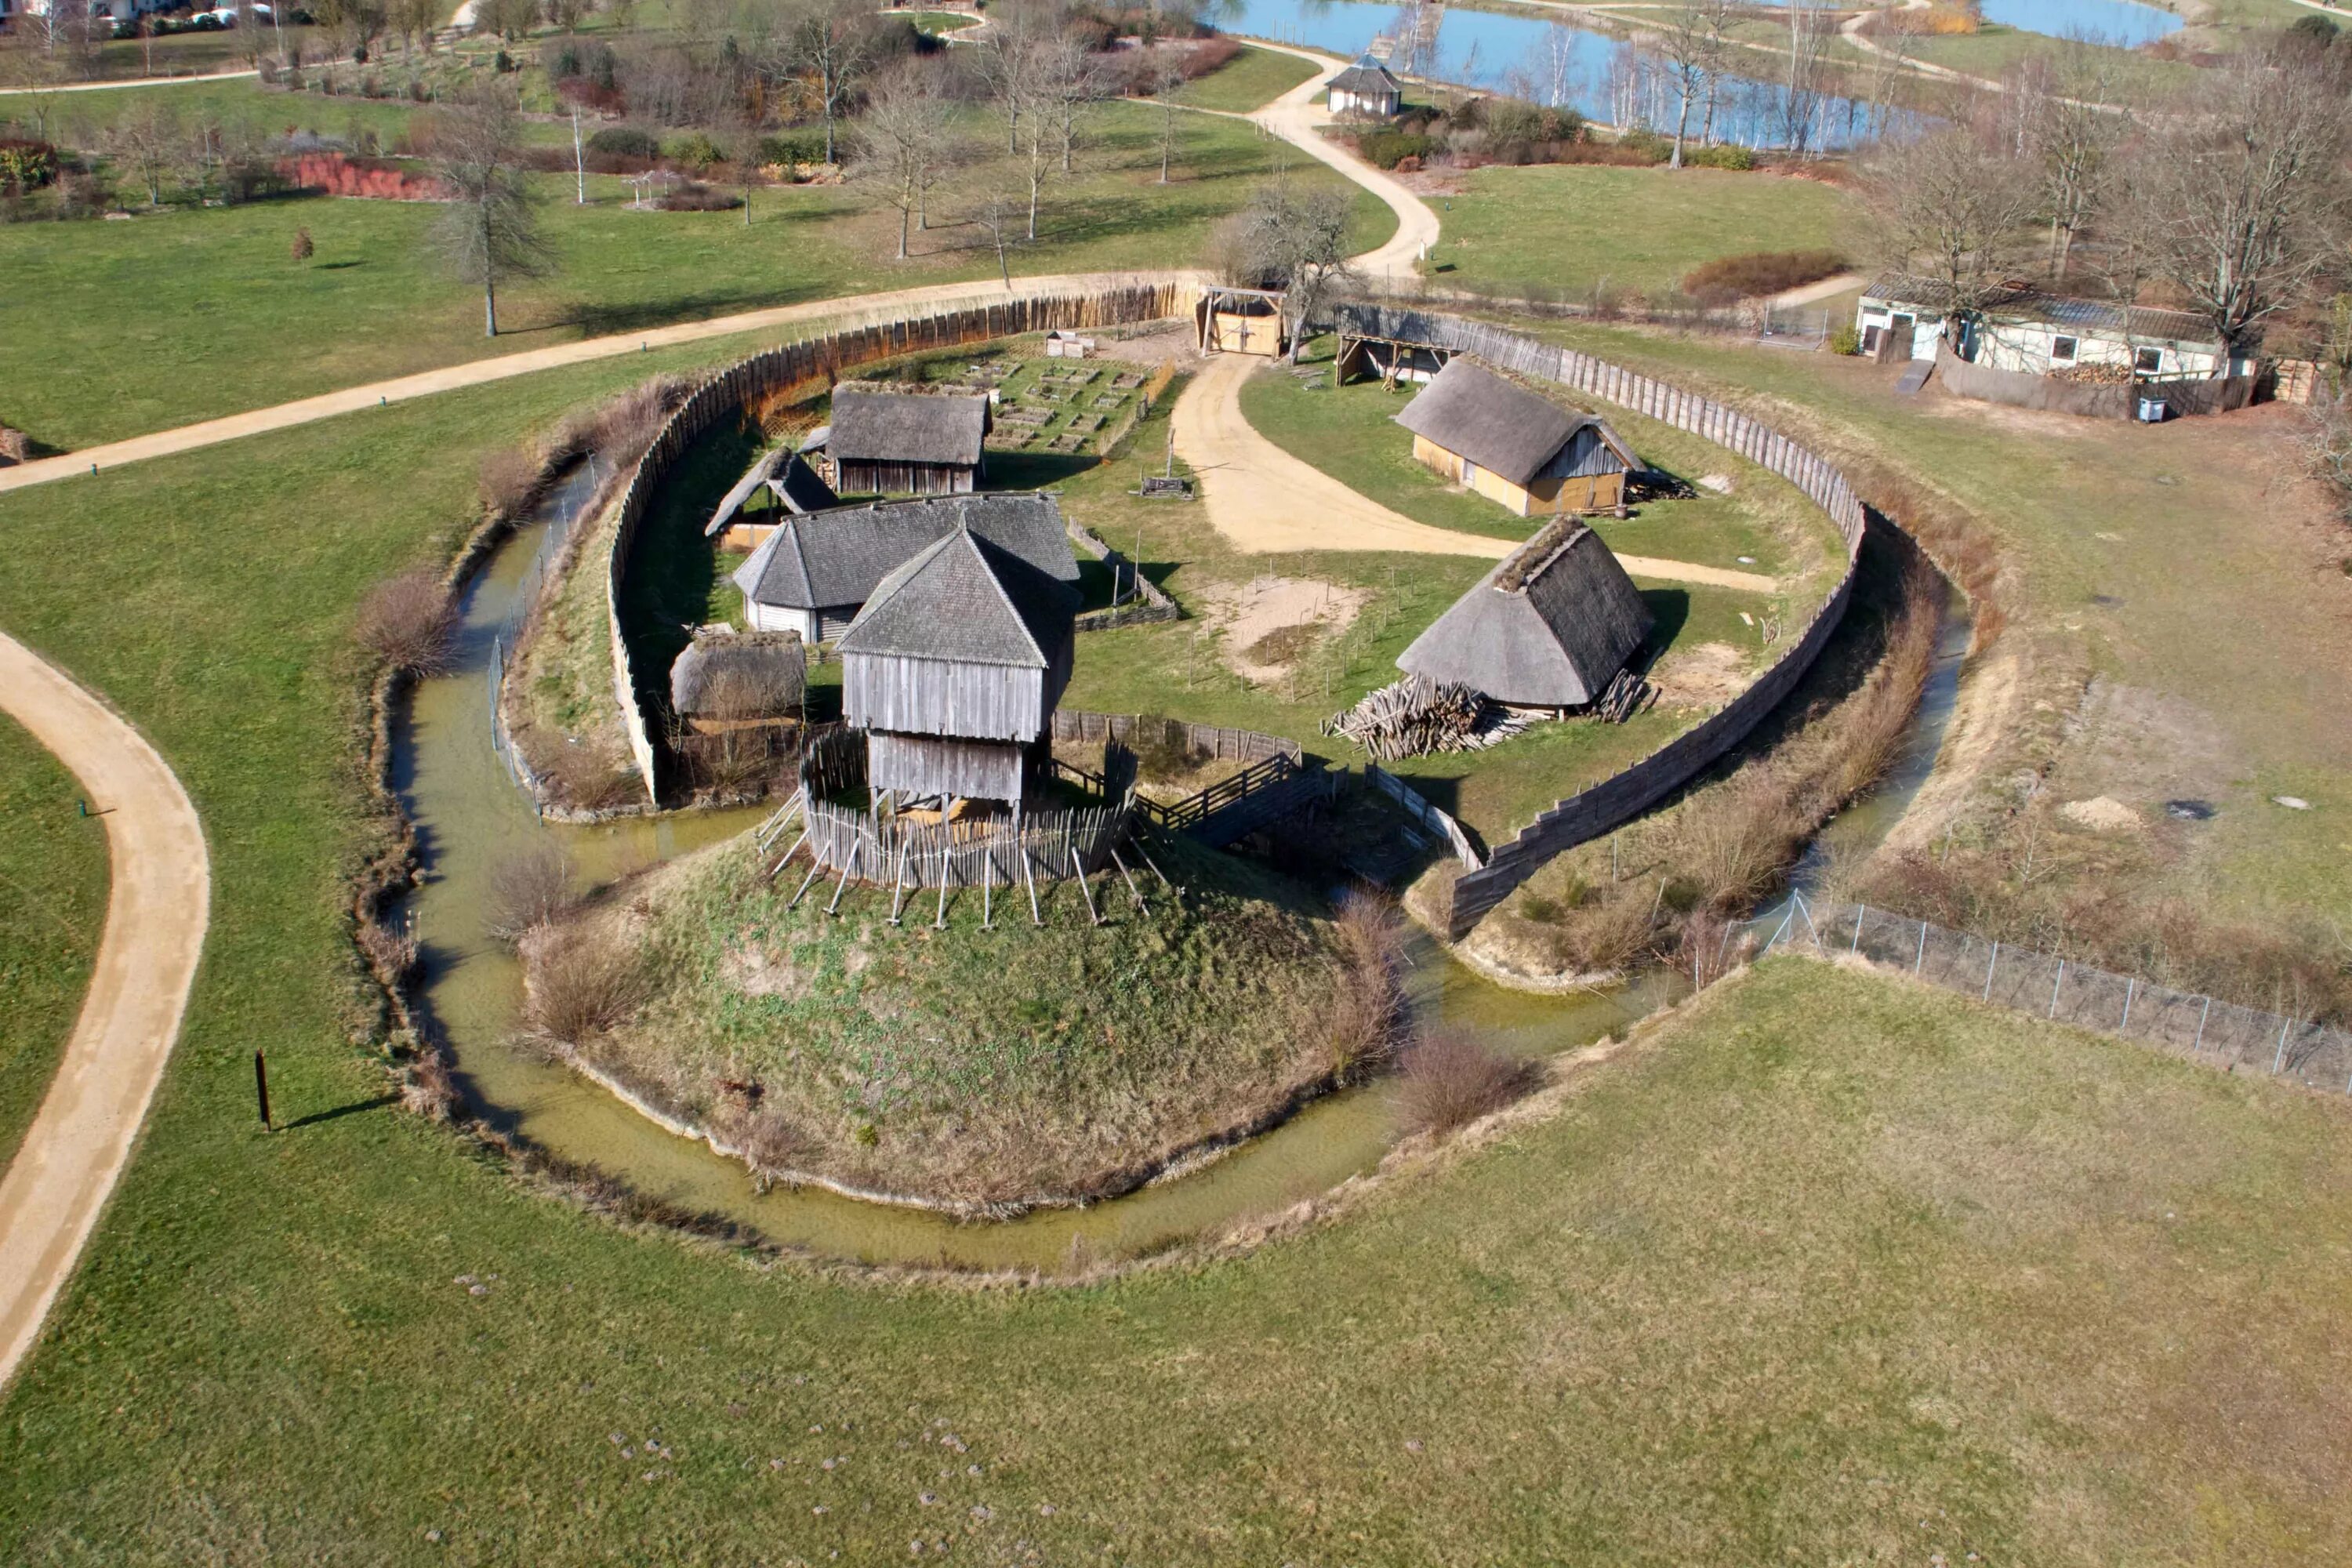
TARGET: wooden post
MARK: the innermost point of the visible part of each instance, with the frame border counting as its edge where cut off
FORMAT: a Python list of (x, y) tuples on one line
[(1132, 891), (1084, 891), (261, 1091), (857, 847), (796, 850), (1028, 870), (816, 866), (987, 884), (898, 880), (947, 868)]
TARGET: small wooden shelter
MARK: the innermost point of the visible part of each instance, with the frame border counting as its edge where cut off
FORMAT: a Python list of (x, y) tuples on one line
[(738, 681), (900, 440), (1366, 87), (785, 475), (812, 574), (1515, 447), (1237, 320), (1549, 627), (953, 670)]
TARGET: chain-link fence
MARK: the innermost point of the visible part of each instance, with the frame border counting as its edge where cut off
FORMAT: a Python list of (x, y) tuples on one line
[(2221, 1033)]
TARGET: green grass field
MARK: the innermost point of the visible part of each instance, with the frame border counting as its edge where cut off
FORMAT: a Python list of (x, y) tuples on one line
[(1564, 230), (186, 315), (1994, 50), (52, 912), (1251, 79)]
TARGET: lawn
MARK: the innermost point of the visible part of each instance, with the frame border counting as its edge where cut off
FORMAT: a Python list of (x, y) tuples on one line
[(1251, 79), (1993, 49), (2125, 692), (187, 315), (1554, 231), (52, 912)]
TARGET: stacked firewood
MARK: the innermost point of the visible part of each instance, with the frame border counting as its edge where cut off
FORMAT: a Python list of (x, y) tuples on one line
[(1414, 717), (1626, 695)]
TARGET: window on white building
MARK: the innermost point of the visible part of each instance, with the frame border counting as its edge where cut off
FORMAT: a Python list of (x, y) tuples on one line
[(2148, 361), (2061, 349)]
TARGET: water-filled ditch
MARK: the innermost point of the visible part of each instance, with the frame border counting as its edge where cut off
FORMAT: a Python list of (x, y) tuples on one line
[(470, 816)]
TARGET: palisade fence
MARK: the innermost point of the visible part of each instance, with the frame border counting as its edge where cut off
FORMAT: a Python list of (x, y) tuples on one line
[(817, 361), (2221, 1033), (1626, 794), (564, 508)]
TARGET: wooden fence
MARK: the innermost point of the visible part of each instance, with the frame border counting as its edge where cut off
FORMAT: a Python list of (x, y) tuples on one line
[(2182, 396), (1214, 740), (1617, 799), (1430, 816), (817, 362), (897, 852), (1151, 603)]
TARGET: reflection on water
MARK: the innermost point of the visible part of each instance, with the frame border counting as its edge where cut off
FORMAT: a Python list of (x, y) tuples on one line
[(471, 816), (1552, 63), (2126, 24)]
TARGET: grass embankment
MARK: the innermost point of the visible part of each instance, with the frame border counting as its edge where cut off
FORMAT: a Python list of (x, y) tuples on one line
[(1994, 50), (53, 869), (373, 302), (2108, 680), (1250, 80), (973, 1067), (1563, 231)]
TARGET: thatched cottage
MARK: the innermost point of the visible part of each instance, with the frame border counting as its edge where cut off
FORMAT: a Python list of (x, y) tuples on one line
[(1549, 627), (899, 441), (1513, 447), (953, 669), (812, 574), (735, 680)]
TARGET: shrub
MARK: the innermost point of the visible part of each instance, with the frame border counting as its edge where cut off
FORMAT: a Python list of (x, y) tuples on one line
[(25, 164), (409, 622), (624, 141), (1452, 1080), (578, 989), (392, 953), (1760, 273), (694, 197), (1728, 156), (303, 249), (792, 147), (1846, 339), (695, 151), (1367, 1011), (527, 891), (1383, 149)]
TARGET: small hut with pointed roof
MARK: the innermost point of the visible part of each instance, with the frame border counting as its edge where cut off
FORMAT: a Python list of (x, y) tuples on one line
[(1516, 448), (1366, 87), (953, 670), (1549, 627)]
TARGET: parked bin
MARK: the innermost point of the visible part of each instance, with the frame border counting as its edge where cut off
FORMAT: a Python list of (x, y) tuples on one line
[(2152, 411)]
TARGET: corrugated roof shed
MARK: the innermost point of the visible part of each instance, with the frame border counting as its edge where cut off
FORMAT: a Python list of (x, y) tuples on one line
[(1549, 627), (838, 557), (2030, 304), (1504, 428), (876, 425)]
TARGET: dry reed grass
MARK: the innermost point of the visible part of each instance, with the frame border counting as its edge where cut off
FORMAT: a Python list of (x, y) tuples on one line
[(527, 891), (1452, 1078), (577, 988), (410, 622)]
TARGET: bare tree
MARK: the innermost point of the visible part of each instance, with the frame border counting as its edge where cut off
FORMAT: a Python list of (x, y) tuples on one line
[(1946, 208), (1810, 30), (2239, 190), (413, 20), (491, 230), (1297, 241), (1686, 51), (1072, 84), (146, 142), (994, 216), (1165, 72), (2061, 114), (899, 142), (833, 40)]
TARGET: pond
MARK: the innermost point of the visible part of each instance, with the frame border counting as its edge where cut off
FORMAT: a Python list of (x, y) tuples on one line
[(2126, 24), (1550, 63)]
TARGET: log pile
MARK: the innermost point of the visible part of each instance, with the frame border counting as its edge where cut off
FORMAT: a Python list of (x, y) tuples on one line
[(1414, 717), (1626, 695)]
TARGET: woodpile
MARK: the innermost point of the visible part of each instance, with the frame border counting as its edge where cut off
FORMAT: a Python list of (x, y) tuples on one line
[(2094, 374), (1415, 717), (1626, 695)]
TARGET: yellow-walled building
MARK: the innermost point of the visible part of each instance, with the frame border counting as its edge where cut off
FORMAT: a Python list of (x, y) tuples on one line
[(1517, 450)]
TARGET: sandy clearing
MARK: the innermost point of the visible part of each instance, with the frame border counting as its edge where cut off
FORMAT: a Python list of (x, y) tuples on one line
[(56, 1188), (1245, 612)]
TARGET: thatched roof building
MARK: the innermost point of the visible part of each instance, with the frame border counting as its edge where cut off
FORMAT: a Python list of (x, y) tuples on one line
[(953, 669), (813, 572), (900, 440), (1514, 446), (1549, 627), (730, 678)]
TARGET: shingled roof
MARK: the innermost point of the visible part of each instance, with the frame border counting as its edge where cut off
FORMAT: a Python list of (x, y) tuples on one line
[(878, 424), (1549, 627), (835, 558), (1505, 429), (1368, 75), (966, 601)]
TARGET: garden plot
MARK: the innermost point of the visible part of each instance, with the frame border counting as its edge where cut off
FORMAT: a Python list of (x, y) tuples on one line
[(1062, 407)]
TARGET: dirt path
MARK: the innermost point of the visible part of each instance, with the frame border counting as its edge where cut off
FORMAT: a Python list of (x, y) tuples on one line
[(55, 1188), (129, 81), (1295, 116), (480, 371)]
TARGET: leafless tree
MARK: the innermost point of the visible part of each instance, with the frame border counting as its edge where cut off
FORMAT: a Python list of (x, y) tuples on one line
[(1686, 51), (413, 20), (1560, 62), (1072, 83), (148, 143), (834, 41), (994, 214), (565, 15), (1165, 73), (491, 230), (2061, 116), (2239, 188), (1715, 19), (899, 142), (1947, 208), (1812, 28), (1297, 240)]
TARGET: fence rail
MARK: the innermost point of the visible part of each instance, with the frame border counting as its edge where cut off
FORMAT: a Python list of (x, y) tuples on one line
[(2191, 1024)]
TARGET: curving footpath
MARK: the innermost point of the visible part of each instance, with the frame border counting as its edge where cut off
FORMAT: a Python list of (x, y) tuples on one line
[(80, 1140)]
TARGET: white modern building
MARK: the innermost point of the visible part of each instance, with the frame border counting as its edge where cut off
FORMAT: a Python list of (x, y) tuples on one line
[(2033, 333)]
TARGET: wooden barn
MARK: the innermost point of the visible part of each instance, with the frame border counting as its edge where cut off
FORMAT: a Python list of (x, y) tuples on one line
[(1366, 88), (1549, 627), (786, 476), (733, 681), (953, 669), (897, 440), (1513, 447), (812, 574), (1234, 321)]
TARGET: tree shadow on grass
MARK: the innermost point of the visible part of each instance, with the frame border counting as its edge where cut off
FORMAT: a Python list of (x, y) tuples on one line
[(1670, 610)]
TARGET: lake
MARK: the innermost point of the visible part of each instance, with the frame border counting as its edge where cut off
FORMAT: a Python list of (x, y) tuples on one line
[(2125, 23)]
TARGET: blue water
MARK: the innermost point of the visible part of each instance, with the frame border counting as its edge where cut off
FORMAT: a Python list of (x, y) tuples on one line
[(2124, 22), (1550, 63)]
